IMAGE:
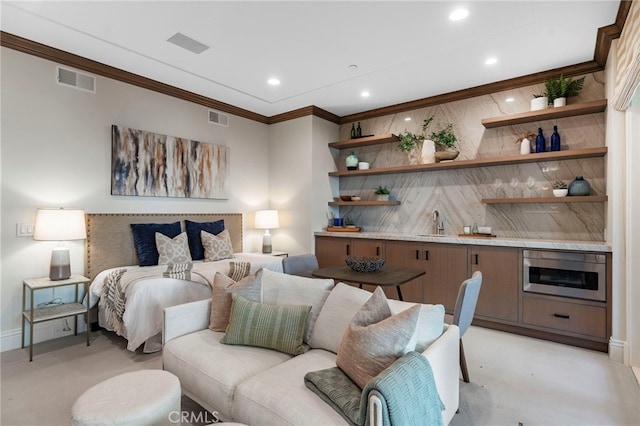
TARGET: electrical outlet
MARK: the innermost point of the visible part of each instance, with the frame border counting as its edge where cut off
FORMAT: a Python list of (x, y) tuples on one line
[(24, 229)]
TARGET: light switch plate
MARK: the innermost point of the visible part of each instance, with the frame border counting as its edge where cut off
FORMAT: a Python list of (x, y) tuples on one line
[(24, 229)]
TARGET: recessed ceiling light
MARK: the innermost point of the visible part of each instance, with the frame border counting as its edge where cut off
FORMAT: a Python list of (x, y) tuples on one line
[(509, 100), (273, 81), (491, 61), (365, 94), (353, 67), (458, 14)]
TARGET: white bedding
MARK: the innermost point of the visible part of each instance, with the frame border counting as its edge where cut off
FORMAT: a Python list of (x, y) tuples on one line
[(146, 298)]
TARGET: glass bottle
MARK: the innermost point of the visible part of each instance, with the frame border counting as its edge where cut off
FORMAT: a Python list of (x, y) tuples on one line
[(353, 131), (540, 141), (359, 130), (555, 139)]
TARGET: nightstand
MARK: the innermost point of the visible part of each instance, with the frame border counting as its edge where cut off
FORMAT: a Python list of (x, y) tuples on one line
[(33, 315), (279, 253)]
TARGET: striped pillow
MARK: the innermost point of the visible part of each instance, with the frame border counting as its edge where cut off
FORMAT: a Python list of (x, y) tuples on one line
[(278, 327)]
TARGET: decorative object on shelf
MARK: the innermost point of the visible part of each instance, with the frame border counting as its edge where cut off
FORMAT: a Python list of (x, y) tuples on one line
[(474, 229), (358, 131), (466, 229), (346, 197), (363, 165), (266, 219), (555, 139), (59, 225), (439, 146), (497, 184), (525, 142), (531, 185), (338, 222), (559, 89), (515, 188), (348, 222), (353, 131), (540, 141), (355, 198), (445, 140), (382, 193), (580, 187), (560, 188), (364, 264), (539, 102), (352, 161)]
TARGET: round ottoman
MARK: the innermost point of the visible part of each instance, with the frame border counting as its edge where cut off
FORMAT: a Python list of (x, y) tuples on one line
[(144, 397)]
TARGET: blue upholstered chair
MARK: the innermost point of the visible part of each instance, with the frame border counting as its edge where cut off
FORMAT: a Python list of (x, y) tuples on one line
[(301, 264), (463, 313)]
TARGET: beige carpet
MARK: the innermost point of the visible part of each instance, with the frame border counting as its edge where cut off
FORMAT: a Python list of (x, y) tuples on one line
[(514, 380)]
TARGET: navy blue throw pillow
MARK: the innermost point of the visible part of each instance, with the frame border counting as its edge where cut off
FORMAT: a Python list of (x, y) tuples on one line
[(144, 238), (193, 234)]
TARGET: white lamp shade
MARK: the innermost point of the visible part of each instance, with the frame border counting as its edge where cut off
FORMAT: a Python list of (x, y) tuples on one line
[(59, 225), (267, 219)]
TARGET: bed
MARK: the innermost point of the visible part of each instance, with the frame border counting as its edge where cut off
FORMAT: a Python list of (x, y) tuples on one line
[(110, 248)]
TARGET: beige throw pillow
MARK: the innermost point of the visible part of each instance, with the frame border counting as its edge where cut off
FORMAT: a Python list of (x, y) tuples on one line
[(216, 247), (172, 250), (375, 339), (249, 287)]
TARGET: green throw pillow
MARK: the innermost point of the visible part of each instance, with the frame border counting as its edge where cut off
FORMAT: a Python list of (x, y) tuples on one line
[(279, 327)]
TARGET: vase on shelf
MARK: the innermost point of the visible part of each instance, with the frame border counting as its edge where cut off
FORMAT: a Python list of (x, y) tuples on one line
[(555, 139), (525, 146), (541, 102), (352, 161), (579, 187), (540, 141), (428, 152), (559, 102)]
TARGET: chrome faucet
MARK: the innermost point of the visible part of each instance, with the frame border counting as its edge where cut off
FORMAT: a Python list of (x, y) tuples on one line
[(438, 225)]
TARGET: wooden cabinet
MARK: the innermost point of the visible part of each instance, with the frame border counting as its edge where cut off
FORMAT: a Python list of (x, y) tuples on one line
[(332, 250), (406, 253), (367, 248), (500, 267)]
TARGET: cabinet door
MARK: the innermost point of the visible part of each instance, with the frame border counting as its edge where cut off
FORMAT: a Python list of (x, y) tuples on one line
[(332, 250), (446, 270), (367, 248), (406, 253), (500, 267)]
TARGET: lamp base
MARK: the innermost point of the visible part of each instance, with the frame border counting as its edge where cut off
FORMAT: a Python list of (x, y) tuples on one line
[(60, 268), (266, 243)]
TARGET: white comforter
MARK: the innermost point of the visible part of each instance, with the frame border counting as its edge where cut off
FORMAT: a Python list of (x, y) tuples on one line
[(146, 298)]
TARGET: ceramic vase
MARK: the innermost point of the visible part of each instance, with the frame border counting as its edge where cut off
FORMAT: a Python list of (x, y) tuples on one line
[(539, 103), (428, 152), (352, 161), (579, 187), (559, 102)]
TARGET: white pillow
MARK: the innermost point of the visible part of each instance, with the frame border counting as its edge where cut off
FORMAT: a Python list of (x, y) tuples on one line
[(430, 321), (285, 289), (172, 250)]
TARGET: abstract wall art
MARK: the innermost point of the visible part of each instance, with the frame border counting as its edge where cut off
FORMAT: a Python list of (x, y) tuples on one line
[(153, 165)]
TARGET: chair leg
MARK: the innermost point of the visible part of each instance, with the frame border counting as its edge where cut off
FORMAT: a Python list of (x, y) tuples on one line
[(463, 364)]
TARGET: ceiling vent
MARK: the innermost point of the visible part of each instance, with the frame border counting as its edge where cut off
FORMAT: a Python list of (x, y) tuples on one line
[(78, 80), (188, 43), (216, 117)]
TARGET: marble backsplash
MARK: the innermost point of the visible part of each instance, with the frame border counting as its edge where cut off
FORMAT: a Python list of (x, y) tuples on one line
[(457, 194)]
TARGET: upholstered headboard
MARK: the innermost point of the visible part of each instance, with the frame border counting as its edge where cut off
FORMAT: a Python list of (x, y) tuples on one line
[(109, 241)]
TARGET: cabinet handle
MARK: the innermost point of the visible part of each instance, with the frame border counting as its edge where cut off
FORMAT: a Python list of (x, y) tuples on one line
[(426, 255), (476, 258), (377, 251), (417, 254), (561, 316), (348, 247)]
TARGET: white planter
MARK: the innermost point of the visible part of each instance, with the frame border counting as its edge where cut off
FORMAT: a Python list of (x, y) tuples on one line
[(559, 102), (382, 197), (525, 146), (428, 152), (539, 103), (560, 192)]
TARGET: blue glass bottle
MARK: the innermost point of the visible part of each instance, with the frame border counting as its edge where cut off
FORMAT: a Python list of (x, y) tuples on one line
[(555, 139), (540, 141)]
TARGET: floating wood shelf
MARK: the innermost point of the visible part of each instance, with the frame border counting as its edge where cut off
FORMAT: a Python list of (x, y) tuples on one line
[(366, 141), (482, 162), (545, 114), (568, 199), (364, 203)]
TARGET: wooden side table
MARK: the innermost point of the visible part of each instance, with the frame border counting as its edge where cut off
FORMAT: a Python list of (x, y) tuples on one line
[(34, 315)]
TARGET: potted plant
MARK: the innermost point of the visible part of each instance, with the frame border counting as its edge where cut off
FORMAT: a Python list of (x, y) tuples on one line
[(382, 193), (445, 140), (560, 189), (559, 89), (539, 101), (409, 141)]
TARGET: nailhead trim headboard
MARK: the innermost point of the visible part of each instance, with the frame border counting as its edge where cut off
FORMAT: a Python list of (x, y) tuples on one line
[(109, 241)]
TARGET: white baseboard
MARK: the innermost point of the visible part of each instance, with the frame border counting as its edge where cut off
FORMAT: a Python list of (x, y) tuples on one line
[(49, 330), (619, 351)]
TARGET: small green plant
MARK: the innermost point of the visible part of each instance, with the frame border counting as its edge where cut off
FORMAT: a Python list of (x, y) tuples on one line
[(563, 87), (445, 138), (409, 140), (382, 190), (348, 221), (559, 184)]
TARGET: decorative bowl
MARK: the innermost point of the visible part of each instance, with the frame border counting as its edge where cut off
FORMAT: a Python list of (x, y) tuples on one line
[(560, 192), (355, 198), (364, 264), (345, 197)]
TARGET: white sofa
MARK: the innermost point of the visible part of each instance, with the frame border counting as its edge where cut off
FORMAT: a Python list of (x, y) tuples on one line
[(258, 386)]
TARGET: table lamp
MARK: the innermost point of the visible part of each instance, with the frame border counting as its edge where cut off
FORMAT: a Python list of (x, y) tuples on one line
[(59, 225), (267, 219)]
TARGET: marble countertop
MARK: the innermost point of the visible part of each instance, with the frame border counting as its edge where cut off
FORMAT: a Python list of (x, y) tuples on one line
[(595, 246)]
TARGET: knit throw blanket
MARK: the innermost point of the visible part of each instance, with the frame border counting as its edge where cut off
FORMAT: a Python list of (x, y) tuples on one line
[(406, 390), (113, 299)]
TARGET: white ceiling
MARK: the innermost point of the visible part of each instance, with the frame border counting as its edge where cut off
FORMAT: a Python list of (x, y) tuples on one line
[(404, 50)]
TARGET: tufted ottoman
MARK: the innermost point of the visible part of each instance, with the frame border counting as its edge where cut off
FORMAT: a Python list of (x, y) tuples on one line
[(144, 397)]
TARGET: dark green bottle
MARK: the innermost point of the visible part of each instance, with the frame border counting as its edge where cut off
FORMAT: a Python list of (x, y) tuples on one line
[(353, 131), (359, 131)]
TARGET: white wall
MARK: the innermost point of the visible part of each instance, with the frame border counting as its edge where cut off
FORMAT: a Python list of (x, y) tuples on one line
[(55, 151)]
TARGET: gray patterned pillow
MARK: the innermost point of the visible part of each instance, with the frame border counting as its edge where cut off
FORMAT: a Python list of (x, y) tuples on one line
[(216, 247), (239, 270), (172, 250)]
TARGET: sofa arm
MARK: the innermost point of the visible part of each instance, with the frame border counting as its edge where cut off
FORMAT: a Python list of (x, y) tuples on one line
[(184, 319), (444, 357)]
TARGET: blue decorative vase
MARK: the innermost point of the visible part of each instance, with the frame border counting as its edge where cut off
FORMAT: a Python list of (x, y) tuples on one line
[(352, 161), (540, 141), (579, 186), (555, 139)]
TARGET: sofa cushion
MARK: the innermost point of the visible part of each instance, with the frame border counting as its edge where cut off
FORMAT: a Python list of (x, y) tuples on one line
[(211, 371), (278, 396), (285, 289), (276, 327), (250, 287), (216, 247), (172, 250), (430, 322), (375, 339)]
